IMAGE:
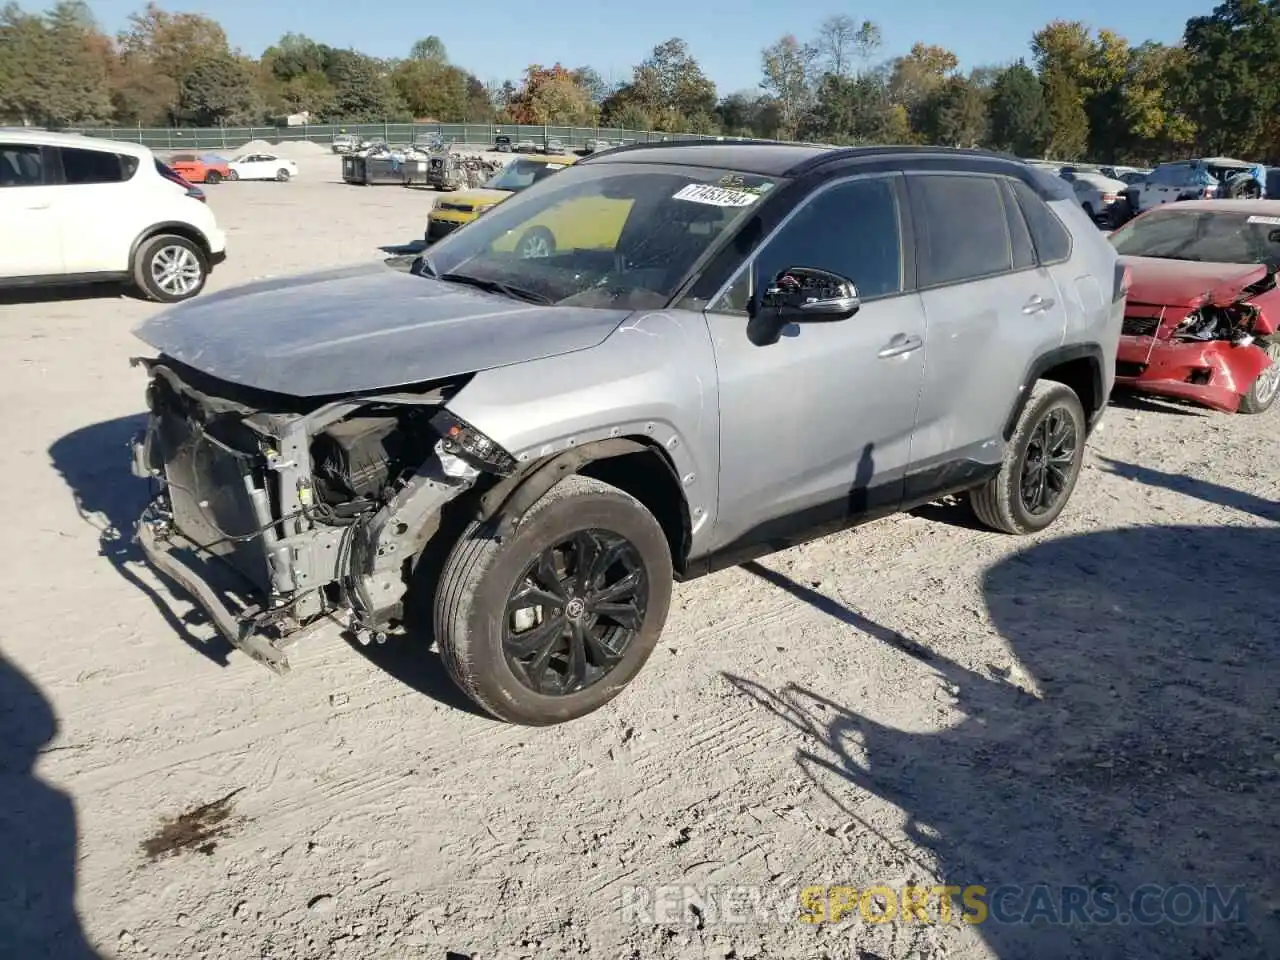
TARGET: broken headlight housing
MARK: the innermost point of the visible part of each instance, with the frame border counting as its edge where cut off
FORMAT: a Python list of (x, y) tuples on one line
[(461, 440)]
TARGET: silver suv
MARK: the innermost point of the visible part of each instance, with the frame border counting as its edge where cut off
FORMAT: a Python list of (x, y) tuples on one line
[(719, 351)]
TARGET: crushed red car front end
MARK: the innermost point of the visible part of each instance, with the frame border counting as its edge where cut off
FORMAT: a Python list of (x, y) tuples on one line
[(1191, 329)]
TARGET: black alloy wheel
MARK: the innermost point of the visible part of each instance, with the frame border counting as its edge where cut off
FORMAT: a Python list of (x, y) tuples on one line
[(1047, 469), (574, 612)]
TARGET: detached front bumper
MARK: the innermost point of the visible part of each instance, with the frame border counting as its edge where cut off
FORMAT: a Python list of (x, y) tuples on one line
[(178, 559), (1212, 373)]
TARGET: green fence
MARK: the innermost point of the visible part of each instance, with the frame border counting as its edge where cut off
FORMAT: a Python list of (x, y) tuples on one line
[(229, 138)]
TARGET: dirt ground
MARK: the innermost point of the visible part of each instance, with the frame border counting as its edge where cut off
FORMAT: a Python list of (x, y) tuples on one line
[(913, 703)]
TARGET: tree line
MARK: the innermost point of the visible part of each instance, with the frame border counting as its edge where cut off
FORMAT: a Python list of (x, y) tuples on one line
[(1081, 92)]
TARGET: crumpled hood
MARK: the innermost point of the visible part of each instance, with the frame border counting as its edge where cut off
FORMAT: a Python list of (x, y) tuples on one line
[(362, 329), (1187, 283)]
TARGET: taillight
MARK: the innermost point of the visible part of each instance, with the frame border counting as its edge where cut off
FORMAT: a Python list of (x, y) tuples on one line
[(1123, 281), (1110, 197)]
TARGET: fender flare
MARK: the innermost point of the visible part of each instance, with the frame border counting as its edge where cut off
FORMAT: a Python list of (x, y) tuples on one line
[(1046, 362), (510, 498)]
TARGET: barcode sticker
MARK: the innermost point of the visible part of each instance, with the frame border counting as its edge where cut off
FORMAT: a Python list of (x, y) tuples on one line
[(716, 196)]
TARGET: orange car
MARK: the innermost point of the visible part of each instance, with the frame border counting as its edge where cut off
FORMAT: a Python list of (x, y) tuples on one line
[(200, 169)]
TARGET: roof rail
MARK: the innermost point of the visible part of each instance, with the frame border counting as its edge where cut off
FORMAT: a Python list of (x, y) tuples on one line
[(724, 142), (889, 150)]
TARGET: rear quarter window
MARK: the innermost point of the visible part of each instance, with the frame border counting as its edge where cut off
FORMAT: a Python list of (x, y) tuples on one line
[(1051, 238), (21, 165)]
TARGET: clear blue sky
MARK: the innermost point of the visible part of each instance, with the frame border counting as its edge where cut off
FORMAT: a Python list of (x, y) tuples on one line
[(496, 40)]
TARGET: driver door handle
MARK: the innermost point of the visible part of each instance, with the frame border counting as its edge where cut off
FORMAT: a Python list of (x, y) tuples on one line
[(899, 345), (1037, 304)]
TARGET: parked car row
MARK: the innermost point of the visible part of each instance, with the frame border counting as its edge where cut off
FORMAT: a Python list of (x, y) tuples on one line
[(209, 168)]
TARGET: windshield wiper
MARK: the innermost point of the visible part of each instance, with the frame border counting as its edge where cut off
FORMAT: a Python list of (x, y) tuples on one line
[(496, 286)]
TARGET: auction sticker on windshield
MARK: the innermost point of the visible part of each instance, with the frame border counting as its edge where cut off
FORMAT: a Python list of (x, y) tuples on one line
[(1273, 221), (716, 196)]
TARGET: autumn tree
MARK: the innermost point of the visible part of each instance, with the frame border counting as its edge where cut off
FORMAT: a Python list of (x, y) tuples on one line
[(550, 95), (433, 88), (156, 50), (917, 77), (788, 67), (842, 44), (55, 68), (1154, 103), (669, 88)]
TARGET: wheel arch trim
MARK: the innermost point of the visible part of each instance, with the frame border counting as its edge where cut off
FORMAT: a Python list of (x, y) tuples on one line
[(1068, 353)]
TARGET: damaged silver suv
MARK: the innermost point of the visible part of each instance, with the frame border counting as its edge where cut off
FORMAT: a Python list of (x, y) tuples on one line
[(713, 351)]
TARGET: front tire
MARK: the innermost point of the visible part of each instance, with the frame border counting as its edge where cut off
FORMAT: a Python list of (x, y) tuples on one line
[(213, 176), (169, 268), (552, 622), (282, 175), (233, 175), (1041, 465), (1266, 387)]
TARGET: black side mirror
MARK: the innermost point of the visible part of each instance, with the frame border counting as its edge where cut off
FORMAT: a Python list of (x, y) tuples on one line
[(800, 295)]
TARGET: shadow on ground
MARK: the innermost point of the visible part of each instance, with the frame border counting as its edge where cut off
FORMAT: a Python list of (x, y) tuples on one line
[(19, 296), (94, 463), (1145, 773), (37, 834)]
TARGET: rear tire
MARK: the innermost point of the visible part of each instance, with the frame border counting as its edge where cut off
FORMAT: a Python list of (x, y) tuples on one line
[(282, 175), (1262, 394), (523, 636), (213, 176), (1042, 463), (168, 268)]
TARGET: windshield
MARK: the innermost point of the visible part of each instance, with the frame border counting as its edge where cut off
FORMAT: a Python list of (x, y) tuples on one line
[(1203, 235), (621, 235), (522, 173)]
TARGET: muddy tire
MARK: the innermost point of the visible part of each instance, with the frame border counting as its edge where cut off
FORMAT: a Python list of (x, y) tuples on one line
[(552, 622), (1262, 394), (1041, 464), (169, 268)]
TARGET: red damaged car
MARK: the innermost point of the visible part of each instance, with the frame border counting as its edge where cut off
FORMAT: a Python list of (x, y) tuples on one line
[(1203, 310)]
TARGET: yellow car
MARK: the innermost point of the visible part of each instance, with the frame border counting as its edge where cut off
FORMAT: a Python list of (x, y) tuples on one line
[(465, 205)]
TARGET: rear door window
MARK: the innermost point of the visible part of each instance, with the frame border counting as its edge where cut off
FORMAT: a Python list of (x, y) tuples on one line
[(90, 166), (961, 228)]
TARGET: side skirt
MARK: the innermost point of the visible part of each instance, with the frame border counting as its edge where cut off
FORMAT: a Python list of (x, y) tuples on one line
[(863, 505)]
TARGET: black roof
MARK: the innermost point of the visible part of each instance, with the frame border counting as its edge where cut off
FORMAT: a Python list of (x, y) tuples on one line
[(770, 158)]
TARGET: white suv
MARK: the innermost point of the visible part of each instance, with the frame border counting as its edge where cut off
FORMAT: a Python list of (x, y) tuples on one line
[(76, 209)]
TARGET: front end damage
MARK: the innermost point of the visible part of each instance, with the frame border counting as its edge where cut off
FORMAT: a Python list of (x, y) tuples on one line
[(1207, 353), (280, 516)]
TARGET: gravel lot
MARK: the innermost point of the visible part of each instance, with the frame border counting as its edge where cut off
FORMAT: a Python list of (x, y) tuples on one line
[(916, 702)]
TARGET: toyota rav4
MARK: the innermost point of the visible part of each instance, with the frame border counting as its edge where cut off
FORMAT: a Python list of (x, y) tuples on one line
[(774, 342)]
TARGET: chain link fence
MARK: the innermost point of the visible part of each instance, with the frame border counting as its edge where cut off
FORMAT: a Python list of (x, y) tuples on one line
[(229, 138)]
